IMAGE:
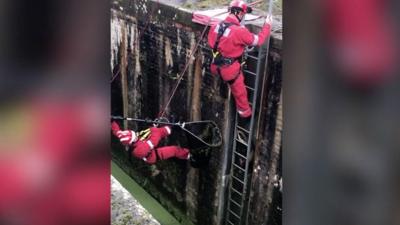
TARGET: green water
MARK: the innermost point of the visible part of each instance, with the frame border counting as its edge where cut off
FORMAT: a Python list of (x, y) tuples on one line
[(148, 202)]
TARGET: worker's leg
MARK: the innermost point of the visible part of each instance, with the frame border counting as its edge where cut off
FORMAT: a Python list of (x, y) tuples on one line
[(152, 158), (172, 151), (239, 93)]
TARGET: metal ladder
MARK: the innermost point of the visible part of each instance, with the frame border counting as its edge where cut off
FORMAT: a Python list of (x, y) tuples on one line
[(242, 150)]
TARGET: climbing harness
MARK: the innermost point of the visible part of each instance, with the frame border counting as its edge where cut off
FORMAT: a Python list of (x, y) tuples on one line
[(206, 132), (144, 134), (149, 153), (218, 59)]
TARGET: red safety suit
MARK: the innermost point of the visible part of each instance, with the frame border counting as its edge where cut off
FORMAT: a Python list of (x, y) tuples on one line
[(147, 149), (232, 45), (46, 172), (361, 39)]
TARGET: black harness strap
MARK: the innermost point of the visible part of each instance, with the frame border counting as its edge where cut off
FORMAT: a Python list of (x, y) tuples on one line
[(230, 82), (150, 151), (149, 154), (157, 156), (220, 60), (221, 30)]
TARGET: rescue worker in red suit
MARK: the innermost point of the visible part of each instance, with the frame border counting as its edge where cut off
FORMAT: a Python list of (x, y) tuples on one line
[(228, 40), (145, 143)]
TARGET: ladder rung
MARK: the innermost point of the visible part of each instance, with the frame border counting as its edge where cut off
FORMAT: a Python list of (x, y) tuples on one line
[(239, 205), (250, 56), (242, 129), (243, 143), (242, 137), (249, 88), (238, 179), (230, 222), (237, 166), (249, 72), (241, 195), (244, 157), (236, 202), (234, 214)]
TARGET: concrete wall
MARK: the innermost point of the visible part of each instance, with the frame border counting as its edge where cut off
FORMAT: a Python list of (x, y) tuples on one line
[(148, 68), (266, 184)]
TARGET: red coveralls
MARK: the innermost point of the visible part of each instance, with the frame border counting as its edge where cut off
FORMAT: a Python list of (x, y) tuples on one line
[(232, 45), (147, 149), (361, 39)]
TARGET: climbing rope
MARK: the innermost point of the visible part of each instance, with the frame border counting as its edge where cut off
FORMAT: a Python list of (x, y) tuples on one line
[(140, 33), (190, 57), (185, 68), (191, 128), (116, 75)]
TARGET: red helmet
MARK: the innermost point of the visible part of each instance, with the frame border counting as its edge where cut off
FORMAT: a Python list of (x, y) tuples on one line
[(241, 5)]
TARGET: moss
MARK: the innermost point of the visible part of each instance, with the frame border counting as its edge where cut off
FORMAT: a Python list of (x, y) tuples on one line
[(208, 4), (205, 4)]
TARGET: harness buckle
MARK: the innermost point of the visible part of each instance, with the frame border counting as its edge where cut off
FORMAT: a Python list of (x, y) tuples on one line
[(144, 134), (215, 54)]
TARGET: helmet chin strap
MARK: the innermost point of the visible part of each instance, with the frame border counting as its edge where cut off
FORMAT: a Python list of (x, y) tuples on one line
[(237, 17), (242, 22)]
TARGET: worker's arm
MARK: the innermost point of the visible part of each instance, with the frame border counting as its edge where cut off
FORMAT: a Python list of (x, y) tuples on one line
[(126, 137), (165, 131), (248, 38)]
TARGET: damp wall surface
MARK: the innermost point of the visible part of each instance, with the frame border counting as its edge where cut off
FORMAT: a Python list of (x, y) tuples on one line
[(146, 65)]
